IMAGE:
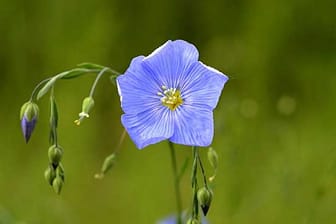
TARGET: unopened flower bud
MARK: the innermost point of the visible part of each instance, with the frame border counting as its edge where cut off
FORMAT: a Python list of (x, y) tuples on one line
[(55, 154), (50, 174), (193, 221), (87, 105), (60, 171), (204, 197), (28, 116), (107, 165), (57, 185)]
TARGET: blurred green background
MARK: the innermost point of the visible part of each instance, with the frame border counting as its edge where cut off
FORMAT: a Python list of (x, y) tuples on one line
[(275, 123)]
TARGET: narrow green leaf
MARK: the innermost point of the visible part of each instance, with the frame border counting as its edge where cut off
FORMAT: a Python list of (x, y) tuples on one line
[(74, 73), (46, 87), (51, 137), (53, 112), (89, 65), (53, 120)]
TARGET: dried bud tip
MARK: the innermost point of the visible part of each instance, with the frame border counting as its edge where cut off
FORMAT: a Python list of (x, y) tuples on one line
[(99, 176)]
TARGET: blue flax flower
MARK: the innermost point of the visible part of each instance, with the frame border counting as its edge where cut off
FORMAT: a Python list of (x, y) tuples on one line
[(170, 95)]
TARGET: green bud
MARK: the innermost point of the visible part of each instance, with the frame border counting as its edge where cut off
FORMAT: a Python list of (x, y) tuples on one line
[(29, 110), (204, 197), (55, 154), (60, 171), (50, 174), (108, 163), (57, 185), (213, 157), (87, 105), (193, 221)]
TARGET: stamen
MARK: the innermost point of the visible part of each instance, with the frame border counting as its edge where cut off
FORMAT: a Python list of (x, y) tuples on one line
[(171, 97)]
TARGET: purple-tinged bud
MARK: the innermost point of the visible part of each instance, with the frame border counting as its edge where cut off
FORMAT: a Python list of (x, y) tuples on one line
[(28, 115)]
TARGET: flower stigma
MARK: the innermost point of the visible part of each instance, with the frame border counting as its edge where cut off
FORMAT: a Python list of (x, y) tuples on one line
[(171, 97)]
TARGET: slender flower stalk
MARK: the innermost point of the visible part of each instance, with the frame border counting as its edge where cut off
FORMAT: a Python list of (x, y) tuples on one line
[(176, 183), (88, 102), (194, 184)]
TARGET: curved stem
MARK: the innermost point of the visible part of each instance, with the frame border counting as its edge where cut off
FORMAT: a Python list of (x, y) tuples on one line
[(112, 71), (202, 169), (121, 140), (176, 183), (96, 80), (38, 86)]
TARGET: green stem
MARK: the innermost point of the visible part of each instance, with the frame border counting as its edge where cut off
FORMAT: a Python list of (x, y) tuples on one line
[(38, 86), (53, 117), (96, 80), (176, 183), (202, 169), (194, 183)]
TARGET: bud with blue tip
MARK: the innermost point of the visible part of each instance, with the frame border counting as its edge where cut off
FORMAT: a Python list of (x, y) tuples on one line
[(28, 116)]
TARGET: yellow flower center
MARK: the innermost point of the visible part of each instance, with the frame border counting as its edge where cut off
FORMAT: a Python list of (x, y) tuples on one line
[(171, 97)]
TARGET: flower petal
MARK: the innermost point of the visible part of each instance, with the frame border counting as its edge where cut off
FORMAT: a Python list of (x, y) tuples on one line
[(202, 86), (150, 126), (193, 126), (171, 60), (137, 90), (28, 127)]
